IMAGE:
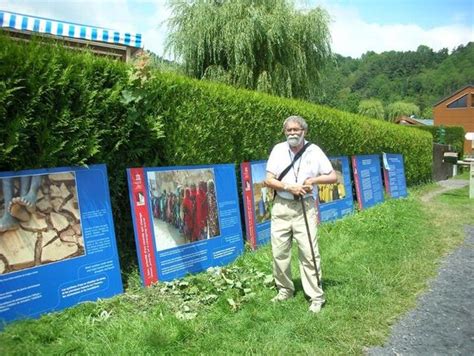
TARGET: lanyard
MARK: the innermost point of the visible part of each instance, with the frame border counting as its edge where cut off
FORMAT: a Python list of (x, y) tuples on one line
[(293, 167)]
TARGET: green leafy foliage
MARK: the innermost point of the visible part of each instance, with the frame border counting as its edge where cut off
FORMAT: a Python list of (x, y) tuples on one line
[(422, 77), (265, 45), (234, 283), (400, 108), (208, 123), (453, 135), (372, 108), (50, 106), (61, 108)]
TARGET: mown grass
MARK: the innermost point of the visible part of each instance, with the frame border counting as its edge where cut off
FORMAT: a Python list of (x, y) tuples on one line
[(375, 264), (464, 174)]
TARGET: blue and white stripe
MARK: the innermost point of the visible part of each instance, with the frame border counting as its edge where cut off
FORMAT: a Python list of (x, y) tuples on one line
[(36, 24)]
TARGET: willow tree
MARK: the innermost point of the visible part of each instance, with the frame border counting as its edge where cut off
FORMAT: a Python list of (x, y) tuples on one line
[(266, 45), (371, 108), (400, 108)]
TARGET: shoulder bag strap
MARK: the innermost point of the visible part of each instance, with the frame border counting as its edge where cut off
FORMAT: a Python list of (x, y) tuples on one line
[(297, 156)]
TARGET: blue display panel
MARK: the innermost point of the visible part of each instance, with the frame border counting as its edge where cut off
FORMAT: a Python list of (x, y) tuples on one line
[(335, 200), (368, 180), (57, 240), (186, 219), (258, 201), (394, 175)]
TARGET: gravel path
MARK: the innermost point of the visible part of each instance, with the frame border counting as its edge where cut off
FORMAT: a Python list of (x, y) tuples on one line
[(442, 323)]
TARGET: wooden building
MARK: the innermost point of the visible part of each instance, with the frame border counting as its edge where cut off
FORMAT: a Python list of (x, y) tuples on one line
[(457, 109), (410, 121), (101, 41)]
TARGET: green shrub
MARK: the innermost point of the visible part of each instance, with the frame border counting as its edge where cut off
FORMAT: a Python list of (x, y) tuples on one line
[(213, 123), (63, 108), (453, 135), (60, 107)]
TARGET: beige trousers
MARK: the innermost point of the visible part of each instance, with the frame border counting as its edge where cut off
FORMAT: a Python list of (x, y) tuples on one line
[(288, 224)]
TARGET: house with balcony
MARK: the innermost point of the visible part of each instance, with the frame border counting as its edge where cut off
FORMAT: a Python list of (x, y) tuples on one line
[(457, 109)]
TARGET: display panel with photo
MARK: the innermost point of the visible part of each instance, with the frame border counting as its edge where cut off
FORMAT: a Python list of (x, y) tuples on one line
[(258, 201), (335, 200), (57, 240), (186, 219), (368, 180), (394, 175), (184, 206)]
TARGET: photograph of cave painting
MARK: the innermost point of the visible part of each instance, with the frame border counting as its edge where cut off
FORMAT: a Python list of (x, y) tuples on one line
[(39, 221)]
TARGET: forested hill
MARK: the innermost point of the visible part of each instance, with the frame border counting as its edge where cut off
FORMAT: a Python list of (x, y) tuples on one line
[(422, 77)]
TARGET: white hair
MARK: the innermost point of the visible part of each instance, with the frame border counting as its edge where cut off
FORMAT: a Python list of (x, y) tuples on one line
[(298, 119)]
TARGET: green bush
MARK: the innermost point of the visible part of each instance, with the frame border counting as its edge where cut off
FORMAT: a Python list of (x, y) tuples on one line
[(60, 107), (63, 108), (453, 135), (213, 123)]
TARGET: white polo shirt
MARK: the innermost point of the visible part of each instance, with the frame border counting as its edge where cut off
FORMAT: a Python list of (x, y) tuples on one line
[(312, 163)]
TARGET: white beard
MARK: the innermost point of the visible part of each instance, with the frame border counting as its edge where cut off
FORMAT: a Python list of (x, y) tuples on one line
[(294, 140)]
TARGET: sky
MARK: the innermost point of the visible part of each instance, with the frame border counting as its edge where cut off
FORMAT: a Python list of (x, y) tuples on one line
[(356, 26)]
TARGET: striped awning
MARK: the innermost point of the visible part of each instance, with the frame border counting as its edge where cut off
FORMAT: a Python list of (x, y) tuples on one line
[(58, 28)]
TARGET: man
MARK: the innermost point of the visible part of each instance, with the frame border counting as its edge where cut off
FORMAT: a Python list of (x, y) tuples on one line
[(292, 190)]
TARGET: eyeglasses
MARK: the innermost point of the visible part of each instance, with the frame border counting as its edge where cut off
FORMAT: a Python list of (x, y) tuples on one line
[(293, 130)]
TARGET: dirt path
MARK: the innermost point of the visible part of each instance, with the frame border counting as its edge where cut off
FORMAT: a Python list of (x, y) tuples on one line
[(445, 185), (442, 323)]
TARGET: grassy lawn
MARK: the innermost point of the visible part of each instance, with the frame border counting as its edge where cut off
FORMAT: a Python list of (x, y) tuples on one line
[(375, 264), (464, 174)]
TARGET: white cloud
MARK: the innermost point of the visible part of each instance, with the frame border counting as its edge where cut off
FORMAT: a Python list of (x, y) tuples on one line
[(351, 36), (108, 14), (144, 17), (154, 36)]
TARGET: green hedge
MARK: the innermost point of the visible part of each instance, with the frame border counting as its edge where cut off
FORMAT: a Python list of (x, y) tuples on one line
[(61, 107), (212, 123), (453, 135)]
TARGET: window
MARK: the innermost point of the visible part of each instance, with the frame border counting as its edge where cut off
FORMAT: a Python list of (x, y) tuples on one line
[(459, 103), (472, 100)]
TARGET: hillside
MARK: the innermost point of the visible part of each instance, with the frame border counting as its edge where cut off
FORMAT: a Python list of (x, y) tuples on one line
[(421, 77)]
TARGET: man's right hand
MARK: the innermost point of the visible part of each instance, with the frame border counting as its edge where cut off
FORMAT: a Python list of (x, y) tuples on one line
[(299, 189)]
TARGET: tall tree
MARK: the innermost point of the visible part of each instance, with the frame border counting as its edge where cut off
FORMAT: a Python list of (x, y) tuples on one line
[(266, 45), (371, 108), (422, 78), (400, 108)]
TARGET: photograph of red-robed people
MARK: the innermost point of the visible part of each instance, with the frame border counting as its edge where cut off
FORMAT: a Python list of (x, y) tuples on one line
[(184, 206)]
